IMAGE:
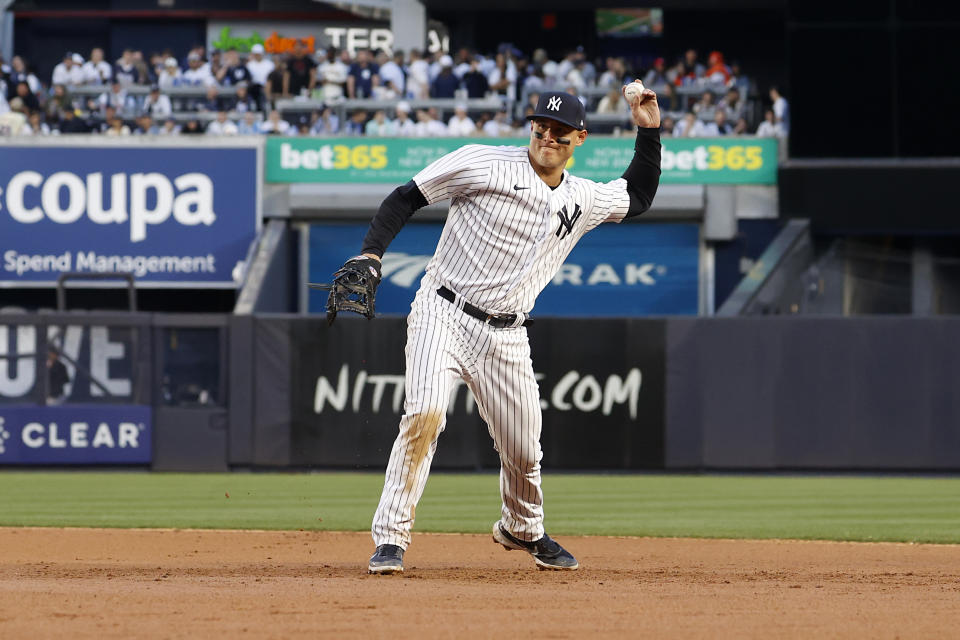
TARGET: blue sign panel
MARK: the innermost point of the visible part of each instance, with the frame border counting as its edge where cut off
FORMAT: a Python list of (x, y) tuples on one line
[(614, 271), (171, 216), (75, 434)]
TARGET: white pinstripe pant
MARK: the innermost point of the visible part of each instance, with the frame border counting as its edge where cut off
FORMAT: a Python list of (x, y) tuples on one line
[(443, 344)]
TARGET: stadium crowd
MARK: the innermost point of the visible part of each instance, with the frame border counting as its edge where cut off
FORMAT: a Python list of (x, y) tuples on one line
[(229, 93)]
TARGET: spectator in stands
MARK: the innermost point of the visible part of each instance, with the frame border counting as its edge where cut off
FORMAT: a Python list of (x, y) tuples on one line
[(356, 123), (103, 123), (691, 70), (215, 63), (70, 123), (418, 77), (498, 125), (379, 125), (460, 124), (192, 128), (719, 126), (145, 126), (333, 77), (275, 124), (169, 128), (222, 126), (392, 77), (549, 67), (68, 72), (446, 84), (125, 69), (428, 125), (274, 85), (404, 126), (770, 128), (732, 104), (248, 125), (117, 128), (717, 72), (688, 127), (260, 69), (781, 110), (475, 81), (741, 128), (14, 121), (613, 102), (301, 74), (97, 70), (738, 80), (197, 73), (705, 106), (233, 71), (142, 69), (157, 104), (116, 97), (19, 73), (666, 126), (30, 101), (37, 125), (461, 62), (363, 75), (325, 123), (155, 66), (656, 77), (170, 76), (59, 101), (211, 103), (502, 78), (302, 126), (242, 101)]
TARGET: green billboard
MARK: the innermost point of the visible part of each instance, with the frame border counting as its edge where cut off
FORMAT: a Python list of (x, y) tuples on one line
[(743, 160)]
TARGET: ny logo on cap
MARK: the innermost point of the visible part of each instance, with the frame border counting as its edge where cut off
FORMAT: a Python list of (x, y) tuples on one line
[(554, 103)]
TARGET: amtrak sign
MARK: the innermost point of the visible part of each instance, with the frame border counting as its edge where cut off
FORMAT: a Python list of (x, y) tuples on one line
[(616, 270)]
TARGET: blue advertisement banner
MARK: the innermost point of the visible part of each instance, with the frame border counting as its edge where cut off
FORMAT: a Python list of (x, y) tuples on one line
[(172, 216), (614, 271), (75, 434)]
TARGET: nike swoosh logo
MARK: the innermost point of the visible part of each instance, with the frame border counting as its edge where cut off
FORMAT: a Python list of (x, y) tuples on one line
[(517, 187)]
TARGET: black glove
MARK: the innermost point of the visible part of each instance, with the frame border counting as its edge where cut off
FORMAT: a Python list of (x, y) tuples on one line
[(354, 288)]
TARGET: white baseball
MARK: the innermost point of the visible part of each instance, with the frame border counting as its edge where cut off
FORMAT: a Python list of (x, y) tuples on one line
[(633, 91)]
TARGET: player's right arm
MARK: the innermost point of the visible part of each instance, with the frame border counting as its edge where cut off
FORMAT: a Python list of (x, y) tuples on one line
[(456, 173)]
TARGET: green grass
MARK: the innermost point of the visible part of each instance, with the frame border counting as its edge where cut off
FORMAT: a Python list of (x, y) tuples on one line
[(832, 507)]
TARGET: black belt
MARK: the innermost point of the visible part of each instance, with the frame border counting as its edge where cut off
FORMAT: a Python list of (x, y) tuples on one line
[(498, 320)]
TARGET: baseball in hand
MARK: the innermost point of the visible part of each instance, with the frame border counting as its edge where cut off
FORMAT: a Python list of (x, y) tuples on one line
[(633, 91)]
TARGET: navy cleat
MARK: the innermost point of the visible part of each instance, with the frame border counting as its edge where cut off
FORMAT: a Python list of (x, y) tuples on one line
[(545, 551), (387, 559)]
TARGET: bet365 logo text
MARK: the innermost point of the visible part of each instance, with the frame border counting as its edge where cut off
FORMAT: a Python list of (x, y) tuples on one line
[(334, 157), (713, 158)]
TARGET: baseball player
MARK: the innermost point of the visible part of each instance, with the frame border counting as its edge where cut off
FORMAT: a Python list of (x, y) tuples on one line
[(515, 214)]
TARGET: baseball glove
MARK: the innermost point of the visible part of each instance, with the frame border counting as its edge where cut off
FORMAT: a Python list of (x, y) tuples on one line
[(354, 288)]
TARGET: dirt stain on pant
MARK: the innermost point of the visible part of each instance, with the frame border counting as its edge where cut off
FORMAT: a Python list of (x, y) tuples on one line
[(424, 429)]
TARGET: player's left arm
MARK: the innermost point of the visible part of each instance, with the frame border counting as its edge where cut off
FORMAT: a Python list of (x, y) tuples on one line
[(643, 174)]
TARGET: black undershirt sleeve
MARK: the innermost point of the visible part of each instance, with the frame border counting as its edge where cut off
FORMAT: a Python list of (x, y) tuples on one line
[(394, 212), (643, 174)]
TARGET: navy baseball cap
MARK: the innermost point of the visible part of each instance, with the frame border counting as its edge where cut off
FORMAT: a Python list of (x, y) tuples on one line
[(562, 107)]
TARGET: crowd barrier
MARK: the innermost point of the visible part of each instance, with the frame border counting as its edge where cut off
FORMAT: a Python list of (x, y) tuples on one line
[(215, 392)]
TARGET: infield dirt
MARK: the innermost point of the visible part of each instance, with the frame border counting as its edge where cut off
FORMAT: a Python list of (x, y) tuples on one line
[(110, 583)]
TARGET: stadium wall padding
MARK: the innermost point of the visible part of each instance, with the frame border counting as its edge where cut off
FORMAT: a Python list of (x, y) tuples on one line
[(603, 405), (875, 393)]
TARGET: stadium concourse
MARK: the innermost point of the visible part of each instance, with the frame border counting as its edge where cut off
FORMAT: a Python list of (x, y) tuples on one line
[(408, 94)]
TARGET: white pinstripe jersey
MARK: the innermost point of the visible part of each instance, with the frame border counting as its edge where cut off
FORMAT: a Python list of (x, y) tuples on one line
[(507, 232)]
